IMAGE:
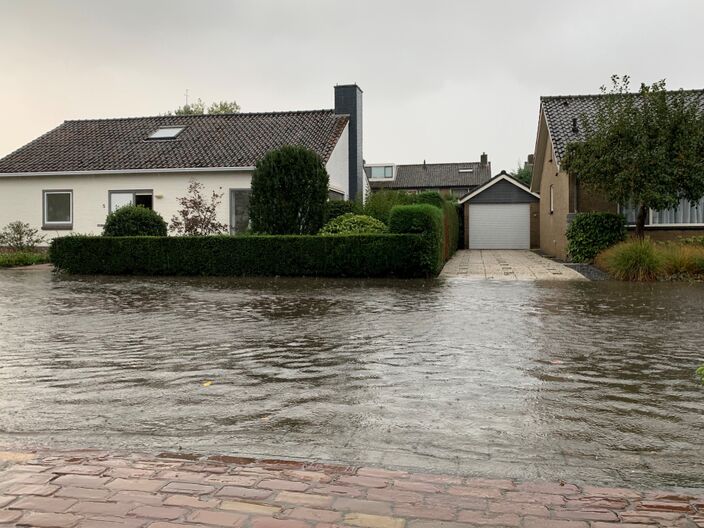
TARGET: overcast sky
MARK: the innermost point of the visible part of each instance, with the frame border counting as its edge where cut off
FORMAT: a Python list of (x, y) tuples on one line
[(443, 80)]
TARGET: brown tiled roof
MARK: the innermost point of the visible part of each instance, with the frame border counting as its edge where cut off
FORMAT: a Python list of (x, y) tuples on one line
[(561, 110), (436, 175), (226, 140)]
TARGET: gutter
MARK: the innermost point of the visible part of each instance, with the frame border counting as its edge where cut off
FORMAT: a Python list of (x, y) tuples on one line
[(126, 171)]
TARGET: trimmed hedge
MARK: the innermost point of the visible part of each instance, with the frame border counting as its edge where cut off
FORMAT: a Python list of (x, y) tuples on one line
[(590, 233), (402, 255), (134, 220), (428, 221), (350, 223)]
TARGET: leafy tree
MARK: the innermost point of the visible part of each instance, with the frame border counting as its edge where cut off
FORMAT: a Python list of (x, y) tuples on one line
[(199, 108), (198, 215), (523, 174), (134, 220), (289, 192), (644, 149), (20, 236)]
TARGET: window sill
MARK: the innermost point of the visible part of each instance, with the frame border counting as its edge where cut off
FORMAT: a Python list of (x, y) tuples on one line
[(674, 227), (58, 227)]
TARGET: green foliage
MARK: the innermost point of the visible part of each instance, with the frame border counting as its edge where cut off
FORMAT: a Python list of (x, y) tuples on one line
[(590, 233), (523, 174), (680, 261), (700, 373), (335, 208), (380, 203), (427, 220), (634, 260), (22, 258), (20, 236), (134, 220), (198, 216), (351, 223), (289, 192), (198, 108), (377, 255), (645, 149), (694, 241)]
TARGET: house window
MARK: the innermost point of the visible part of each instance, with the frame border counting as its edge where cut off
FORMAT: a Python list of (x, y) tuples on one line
[(239, 210), (166, 132), (119, 199), (685, 214), (552, 200), (380, 172), (58, 210)]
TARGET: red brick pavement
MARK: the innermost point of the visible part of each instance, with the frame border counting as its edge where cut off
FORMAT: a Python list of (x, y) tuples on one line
[(89, 489)]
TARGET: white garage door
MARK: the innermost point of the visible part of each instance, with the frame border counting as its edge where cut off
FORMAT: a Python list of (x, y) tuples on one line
[(499, 226)]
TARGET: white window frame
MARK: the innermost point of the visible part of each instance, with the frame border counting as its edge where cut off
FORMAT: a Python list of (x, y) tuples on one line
[(54, 225), (384, 165), (133, 192), (650, 223)]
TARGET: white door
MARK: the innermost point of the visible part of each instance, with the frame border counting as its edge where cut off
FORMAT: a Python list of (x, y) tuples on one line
[(499, 226)]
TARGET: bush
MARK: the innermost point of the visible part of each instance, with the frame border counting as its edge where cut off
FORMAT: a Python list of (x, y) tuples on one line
[(351, 223), (289, 192), (380, 203), (677, 260), (590, 233), (335, 208), (20, 236), (378, 255), (198, 216), (426, 220), (134, 220), (634, 260), (693, 241), (22, 258)]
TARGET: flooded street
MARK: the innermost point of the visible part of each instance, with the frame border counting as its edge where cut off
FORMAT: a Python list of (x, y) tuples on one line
[(577, 380)]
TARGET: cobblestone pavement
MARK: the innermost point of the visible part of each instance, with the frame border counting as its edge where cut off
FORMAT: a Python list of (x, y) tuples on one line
[(507, 265), (93, 489)]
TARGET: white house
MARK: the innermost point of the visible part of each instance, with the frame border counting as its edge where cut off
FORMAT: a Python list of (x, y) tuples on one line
[(69, 179)]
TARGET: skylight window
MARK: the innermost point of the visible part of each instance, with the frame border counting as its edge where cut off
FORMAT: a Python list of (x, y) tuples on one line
[(167, 132), (466, 170)]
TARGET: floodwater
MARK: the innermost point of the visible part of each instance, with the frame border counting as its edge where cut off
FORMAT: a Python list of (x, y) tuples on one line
[(583, 381)]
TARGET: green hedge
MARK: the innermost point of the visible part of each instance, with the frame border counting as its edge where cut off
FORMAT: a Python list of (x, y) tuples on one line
[(590, 233), (428, 221), (22, 258), (402, 255)]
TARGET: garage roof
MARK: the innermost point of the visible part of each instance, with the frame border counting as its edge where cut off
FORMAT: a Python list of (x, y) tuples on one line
[(501, 177)]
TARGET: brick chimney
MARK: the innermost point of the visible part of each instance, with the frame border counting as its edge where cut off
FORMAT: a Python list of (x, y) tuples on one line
[(348, 100), (484, 158)]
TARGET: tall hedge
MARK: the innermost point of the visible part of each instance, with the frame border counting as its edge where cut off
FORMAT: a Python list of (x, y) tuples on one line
[(289, 192), (590, 233), (377, 255), (426, 220)]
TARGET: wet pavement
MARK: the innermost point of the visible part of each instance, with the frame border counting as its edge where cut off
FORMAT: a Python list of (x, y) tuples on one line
[(107, 490), (591, 382), (507, 265)]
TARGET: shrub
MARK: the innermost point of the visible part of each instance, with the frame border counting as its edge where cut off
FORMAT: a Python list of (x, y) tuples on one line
[(352, 223), (134, 220), (590, 233), (694, 241), (335, 208), (377, 255), (634, 260), (22, 258), (20, 236), (678, 260), (380, 203), (289, 192), (700, 373), (426, 220), (198, 216)]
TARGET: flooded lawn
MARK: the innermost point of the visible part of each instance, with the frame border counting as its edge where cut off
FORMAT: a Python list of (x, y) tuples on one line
[(583, 381)]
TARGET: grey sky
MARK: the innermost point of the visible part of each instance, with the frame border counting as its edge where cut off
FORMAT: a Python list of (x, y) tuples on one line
[(442, 80)]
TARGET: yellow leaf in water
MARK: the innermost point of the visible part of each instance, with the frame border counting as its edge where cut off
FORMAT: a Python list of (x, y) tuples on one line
[(207, 383)]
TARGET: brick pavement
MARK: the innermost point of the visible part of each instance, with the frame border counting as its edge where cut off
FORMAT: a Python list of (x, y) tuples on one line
[(90, 489)]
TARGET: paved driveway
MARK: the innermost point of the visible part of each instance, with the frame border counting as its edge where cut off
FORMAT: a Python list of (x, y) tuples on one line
[(506, 264)]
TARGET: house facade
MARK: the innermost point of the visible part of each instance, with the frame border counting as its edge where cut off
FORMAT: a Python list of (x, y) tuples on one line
[(449, 179), (561, 194), (71, 178)]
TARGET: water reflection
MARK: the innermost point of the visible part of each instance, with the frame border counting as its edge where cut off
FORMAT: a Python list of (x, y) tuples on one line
[(585, 381)]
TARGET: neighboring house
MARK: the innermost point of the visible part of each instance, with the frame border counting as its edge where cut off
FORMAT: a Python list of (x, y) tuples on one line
[(450, 179), (70, 178), (561, 194), (501, 214)]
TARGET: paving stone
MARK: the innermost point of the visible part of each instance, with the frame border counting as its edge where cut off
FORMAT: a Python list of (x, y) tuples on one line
[(80, 470), (244, 493), (382, 473), (311, 514), (534, 522), (43, 490), (268, 522), (367, 482), (83, 493), (104, 508), (249, 507), (666, 506), (363, 506), (233, 480), (9, 516), (439, 513), (81, 481), (190, 502), (158, 512), (421, 487), (49, 520), (586, 515), (287, 485), (346, 491), (138, 497), (304, 499), (373, 521), (488, 493), (187, 488), (489, 519), (111, 522), (6, 499), (233, 520), (42, 504), (136, 485)]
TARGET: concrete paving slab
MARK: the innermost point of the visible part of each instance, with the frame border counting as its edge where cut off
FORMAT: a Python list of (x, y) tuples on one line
[(507, 265)]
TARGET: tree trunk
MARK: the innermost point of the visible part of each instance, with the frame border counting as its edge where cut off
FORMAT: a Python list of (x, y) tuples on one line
[(640, 222)]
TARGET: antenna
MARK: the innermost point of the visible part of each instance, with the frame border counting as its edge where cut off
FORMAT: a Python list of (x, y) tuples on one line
[(186, 96)]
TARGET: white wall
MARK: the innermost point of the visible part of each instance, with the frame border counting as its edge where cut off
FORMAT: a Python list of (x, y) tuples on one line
[(21, 197), (338, 165)]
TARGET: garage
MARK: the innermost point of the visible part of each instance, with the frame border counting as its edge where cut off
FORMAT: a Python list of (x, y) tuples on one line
[(501, 214)]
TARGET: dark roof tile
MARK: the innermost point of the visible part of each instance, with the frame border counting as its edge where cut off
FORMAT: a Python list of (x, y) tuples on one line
[(436, 175)]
